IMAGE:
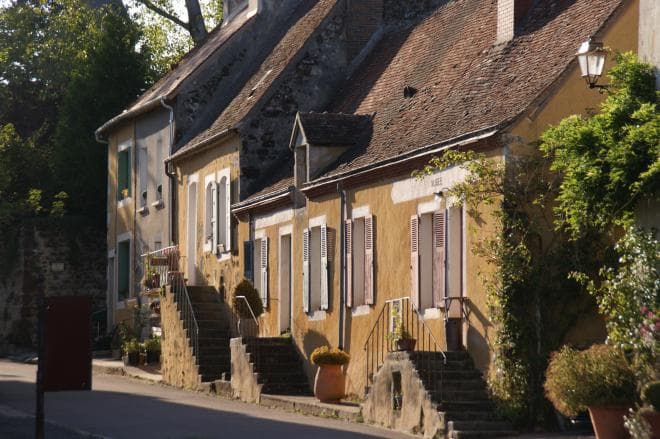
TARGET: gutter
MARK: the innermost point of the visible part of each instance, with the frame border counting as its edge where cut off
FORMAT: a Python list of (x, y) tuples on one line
[(203, 145), (262, 200), (342, 266), (147, 106), (171, 177)]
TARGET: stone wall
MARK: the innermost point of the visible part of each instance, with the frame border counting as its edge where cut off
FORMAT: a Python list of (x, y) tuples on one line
[(418, 414), (244, 383), (177, 361), (54, 257)]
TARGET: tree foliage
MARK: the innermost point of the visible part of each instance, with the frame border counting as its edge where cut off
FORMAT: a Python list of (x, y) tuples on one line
[(609, 160)]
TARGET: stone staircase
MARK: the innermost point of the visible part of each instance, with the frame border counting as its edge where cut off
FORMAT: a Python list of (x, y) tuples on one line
[(461, 395), (278, 366), (213, 358)]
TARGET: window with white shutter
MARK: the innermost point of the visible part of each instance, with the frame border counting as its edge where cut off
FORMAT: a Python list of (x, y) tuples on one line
[(210, 215), (348, 246), (428, 249), (414, 261), (324, 268), (223, 225), (369, 260), (306, 273), (439, 242), (264, 271), (359, 246), (317, 256)]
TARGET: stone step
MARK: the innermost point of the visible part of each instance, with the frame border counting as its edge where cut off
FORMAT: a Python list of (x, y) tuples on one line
[(201, 289), (216, 349), (440, 356), (448, 375), (478, 425), (212, 369), (206, 306), (203, 358), (266, 341), (458, 405), (283, 367), (286, 389), (206, 378), (460, 395), (203, 314), (473, 384), (292, 377), (471, 415), (206, 332), (457, 434)]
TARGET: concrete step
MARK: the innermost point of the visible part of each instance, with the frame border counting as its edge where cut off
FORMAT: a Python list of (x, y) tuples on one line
[(209, 306), (208, 332), (203, 358), (460, 395), (293, 378), (459, 406), (478, 425), (215, 349), (471, 415), (440, 356), (456, 434), (473, 384), (286, 389), (212, 369), (207, 378), (203, 314)]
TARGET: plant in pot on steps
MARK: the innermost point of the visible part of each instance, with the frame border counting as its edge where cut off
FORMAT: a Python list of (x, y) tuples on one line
[(401, 338), (131, 350), (599, 380), (248, 306), (330, 382)]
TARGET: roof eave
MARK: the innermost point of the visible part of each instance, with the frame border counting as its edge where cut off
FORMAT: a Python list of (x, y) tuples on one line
[(261, 201), (203, 145), (128, 114)]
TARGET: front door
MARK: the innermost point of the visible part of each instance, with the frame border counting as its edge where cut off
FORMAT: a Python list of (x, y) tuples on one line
[(285, 283)]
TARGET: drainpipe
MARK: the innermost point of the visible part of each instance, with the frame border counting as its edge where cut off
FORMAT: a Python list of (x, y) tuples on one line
[(342, 264), (109, 300), (172, 177)]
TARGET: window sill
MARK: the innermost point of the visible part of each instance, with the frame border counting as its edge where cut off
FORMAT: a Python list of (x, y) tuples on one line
[(361, 310), (224, 256), (124, 202), (158, 204), (144, 210), (317, 316)]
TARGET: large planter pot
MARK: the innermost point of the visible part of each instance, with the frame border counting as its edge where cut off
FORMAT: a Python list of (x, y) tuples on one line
[(153, 357), (406, 344), (608, 422), (329, 383), (653, 418)]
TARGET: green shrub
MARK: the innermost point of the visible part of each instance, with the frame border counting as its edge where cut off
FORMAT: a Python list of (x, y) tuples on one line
[(651, 394), (325, 356), (152, 344), (246, 289), (599, 376), (130, 346)]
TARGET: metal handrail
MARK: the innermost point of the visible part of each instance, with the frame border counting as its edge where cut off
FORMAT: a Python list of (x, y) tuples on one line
[(250, 308), (182, 297)]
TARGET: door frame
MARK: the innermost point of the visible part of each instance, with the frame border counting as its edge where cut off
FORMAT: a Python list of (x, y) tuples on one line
[(191, 229), (285, 231)]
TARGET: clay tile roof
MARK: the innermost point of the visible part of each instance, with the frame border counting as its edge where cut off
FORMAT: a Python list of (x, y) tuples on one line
[(309, 15), (462, 82), (335, 129)]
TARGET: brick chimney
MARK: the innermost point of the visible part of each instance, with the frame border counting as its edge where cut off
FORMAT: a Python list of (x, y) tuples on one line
[(510, 17), (363, 19)]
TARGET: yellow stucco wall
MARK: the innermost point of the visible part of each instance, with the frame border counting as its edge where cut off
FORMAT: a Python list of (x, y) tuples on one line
[(210, 267)]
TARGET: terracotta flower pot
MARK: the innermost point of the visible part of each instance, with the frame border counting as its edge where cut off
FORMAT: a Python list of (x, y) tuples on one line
[(329, 383), (608, 422), (653, 418)]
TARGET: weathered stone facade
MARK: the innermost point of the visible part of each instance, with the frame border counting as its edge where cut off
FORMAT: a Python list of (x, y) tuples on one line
[(57, 258)]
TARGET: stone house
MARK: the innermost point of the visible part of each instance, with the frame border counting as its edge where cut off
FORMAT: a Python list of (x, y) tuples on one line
[(297, 176)]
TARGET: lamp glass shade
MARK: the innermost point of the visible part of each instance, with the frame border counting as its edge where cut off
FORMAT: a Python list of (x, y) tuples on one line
[(591, 58)]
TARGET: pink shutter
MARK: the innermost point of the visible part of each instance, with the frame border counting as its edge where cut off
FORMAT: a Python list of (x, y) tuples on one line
[(414, 261), (369, 260), (348, 237), (439, 258)]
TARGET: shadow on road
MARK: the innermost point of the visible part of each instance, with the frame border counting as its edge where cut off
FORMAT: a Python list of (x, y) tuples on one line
[(126, 415)]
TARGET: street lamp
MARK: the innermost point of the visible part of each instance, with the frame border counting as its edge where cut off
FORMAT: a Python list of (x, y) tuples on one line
[(591, 57)]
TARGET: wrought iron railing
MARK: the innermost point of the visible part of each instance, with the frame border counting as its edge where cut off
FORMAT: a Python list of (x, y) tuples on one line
[(163, 267), (400, 320)]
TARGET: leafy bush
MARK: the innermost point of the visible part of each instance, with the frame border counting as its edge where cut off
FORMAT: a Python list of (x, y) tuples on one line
[(323, 355), (152, 344), (246, 289), (131, 346), (599, 376), (651, 394)]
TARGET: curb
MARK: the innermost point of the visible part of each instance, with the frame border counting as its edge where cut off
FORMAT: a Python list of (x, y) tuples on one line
[(352, 414)]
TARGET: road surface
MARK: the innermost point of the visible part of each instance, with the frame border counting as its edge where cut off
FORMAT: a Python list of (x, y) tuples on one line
[(120, 407)]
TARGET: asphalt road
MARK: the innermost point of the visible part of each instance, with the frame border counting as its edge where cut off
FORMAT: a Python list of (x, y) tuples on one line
[(119, 407)]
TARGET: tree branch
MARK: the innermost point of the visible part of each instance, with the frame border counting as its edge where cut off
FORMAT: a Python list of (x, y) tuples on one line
[(163, 13)]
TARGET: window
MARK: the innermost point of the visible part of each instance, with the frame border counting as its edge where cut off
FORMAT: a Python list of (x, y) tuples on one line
[(210, 215), (315, 268), (143, 163), (224, 212), (359, 261), (427, 264), (124, 173), (159, 169), (123, 270), (260, 255)]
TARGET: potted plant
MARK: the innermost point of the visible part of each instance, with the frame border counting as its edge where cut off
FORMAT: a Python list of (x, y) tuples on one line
[(152, 347), (651, 409), (598, 379), (330, 382), (131, 349), (245, 294), (401, 338)]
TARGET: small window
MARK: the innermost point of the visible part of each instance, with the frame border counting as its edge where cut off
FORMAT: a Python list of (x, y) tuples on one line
[(359, 261), (224, 218), (143, 166), (428, 265), (210, 211), (124, 174), (315, 269), (260, 264)]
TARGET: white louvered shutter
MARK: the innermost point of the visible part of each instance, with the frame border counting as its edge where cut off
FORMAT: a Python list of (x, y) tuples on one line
[(414, 261), (264, 271), (324, 267), (305, 281), (348, 246), (369, 260), (227, 202), (214, 216), (439, 231)]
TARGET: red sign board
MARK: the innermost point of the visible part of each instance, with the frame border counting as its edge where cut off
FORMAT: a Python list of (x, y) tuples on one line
[(67, 344)]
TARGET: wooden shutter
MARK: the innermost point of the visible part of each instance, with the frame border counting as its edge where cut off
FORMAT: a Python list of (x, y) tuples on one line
[(306, 273), (348, 246), (214, 215), (414, 261), (264, 271), (248, 260), (324, 267), (227, 202), (369, 260), (439, 232)]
